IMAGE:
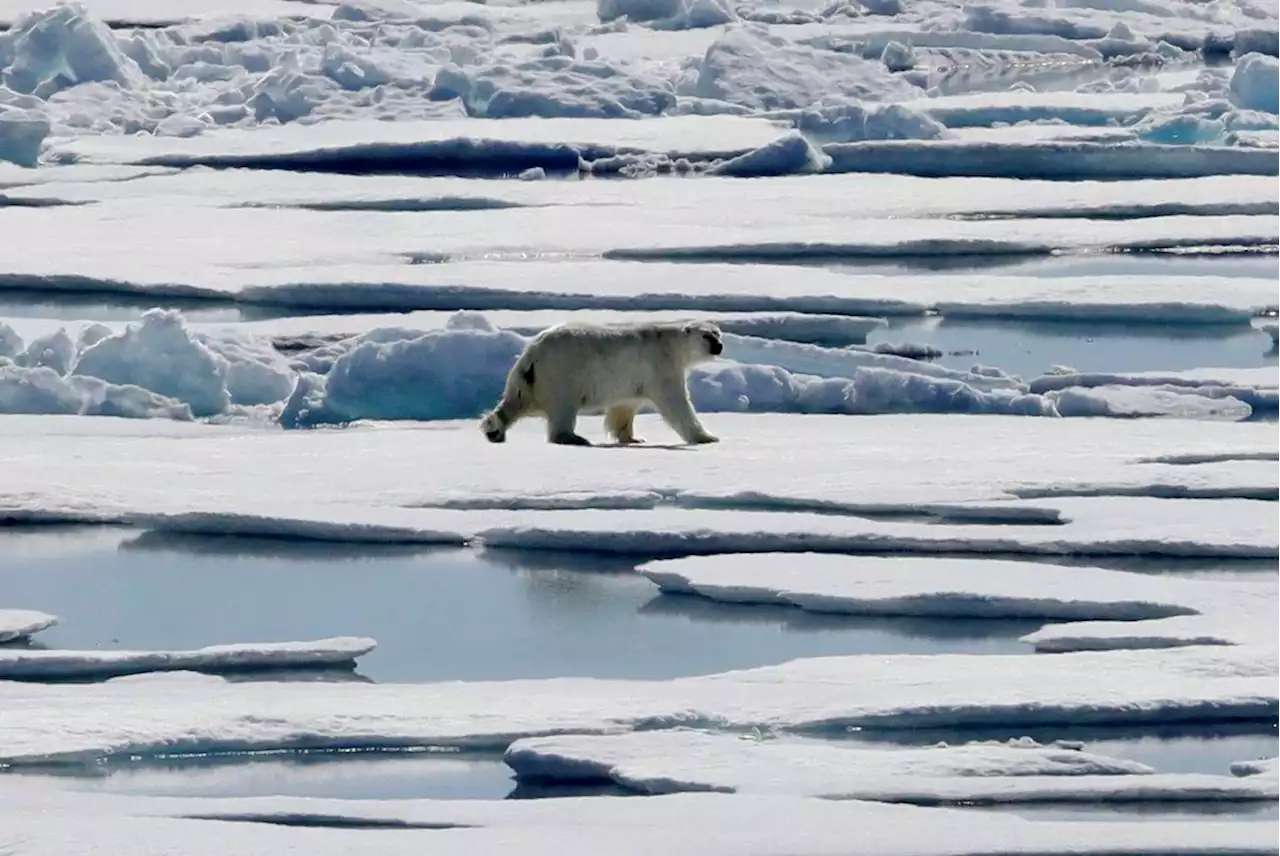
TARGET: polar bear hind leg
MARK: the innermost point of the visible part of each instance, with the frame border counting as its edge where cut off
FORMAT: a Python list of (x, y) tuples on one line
[(619, 421), (671, 399)]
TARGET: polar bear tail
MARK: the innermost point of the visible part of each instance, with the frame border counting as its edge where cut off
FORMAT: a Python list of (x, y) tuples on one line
[(517, 400)]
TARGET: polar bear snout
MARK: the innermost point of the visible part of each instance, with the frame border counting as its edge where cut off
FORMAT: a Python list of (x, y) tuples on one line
[(711, 337), (494, 429)]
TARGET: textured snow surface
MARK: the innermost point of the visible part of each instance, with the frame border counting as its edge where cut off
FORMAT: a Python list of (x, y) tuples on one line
[(805, 175), (1106, 609), (40, 821), (1020, 771), (173, 713), (1093, 495), (21, 623), (878, 585), (43, 664)]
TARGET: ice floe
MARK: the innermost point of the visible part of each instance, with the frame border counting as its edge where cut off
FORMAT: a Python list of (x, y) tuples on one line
[(1256, 387), (471, 144), (1106, 609), (1112, 526), (662, 762), (1096, 496), (681, 824), (454, 367), (48, 664), (64, 722), (17, 624), (868, 585)]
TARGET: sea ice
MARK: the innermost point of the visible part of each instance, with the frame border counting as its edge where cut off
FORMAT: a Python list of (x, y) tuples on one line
[(61, 722), (42, 820), (1106, 609), (955, 588), (45, 664), (554, 143), (43, 390), (1254, 387), (1101, 526), (21, 623), (664, 762), (716, 498), (1133, 402), (1063, 160)]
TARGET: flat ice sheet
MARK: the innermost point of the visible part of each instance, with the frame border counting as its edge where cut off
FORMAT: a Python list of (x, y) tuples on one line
[(757, 222), (42, 822), (813, 328), (178, 713), (960, 588), (47, 664), (878, 195), (675, 134), (21, 623), (662, 762), (554, 228), (162, 12), (675, 286), (1110, 526), (1105, 609), (355, 484)]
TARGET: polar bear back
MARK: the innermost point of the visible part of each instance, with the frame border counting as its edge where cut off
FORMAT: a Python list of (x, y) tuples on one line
[(597, 366)]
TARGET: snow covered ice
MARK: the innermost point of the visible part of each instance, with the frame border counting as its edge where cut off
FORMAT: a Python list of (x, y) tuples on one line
[(46, 664), (657, 762), (681, 824), (21, 623), (67, 722), (997, 283)]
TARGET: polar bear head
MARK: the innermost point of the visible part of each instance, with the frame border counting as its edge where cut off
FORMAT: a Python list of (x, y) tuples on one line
[(702, 341)]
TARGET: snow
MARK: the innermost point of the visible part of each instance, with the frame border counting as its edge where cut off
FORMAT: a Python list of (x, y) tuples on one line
[(1149, 401), (81, 722), (160, 367), (18, 624), (398, 373), (1120, 391), (44, 821), (1112, 526), (491, 169), (159, 12), (45, 665), (42, 390), (1105, 609), (664, 762), (551, 142), (771, 492), (958, 588), (1063, 160)]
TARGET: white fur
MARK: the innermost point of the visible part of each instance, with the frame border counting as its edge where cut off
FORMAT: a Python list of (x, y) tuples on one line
[(574, 367)]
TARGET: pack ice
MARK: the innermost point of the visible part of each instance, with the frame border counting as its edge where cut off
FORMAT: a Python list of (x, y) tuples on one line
[(821, 695), (767, 487)]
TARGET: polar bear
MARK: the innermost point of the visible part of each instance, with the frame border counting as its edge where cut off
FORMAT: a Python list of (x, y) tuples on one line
[(572, 367)]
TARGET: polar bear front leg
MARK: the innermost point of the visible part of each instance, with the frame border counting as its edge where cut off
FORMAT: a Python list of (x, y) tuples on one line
[(671, 398), (619, 421), (562, 421)]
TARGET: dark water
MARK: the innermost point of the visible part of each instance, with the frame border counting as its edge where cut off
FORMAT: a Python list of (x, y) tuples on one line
[(442, 615), (1029, 349), (437, 615)]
